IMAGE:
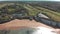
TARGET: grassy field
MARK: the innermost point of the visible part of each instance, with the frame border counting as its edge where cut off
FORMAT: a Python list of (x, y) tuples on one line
[(34, 10)]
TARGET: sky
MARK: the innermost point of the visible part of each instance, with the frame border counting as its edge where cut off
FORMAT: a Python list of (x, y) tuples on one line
[(29, 0)]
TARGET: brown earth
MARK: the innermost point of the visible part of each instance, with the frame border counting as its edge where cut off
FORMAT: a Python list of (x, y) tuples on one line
[(21, 23), (17, 24)]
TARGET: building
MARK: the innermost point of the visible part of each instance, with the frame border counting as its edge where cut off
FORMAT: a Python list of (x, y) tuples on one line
[(43, 16)]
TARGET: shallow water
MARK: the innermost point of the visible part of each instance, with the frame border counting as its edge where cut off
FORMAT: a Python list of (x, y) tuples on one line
[(36, 30)]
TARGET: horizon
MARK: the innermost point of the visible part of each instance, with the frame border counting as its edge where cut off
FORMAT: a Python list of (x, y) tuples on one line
[(30, 0)]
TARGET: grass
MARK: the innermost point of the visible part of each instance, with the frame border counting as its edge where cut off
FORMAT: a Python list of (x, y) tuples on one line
[(34, 10), (31, 11)]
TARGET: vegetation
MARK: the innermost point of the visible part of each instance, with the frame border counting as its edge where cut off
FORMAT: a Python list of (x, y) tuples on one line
[(29, 10), (53, 15)]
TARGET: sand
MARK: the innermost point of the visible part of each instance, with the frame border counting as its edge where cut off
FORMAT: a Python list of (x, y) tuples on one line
[(25, 23), (22, 23)]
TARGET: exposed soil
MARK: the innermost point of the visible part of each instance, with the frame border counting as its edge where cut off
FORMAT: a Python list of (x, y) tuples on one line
[(17, 24), (21, 23)]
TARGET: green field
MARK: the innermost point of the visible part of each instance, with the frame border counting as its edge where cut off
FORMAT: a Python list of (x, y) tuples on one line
[(34, 10)]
